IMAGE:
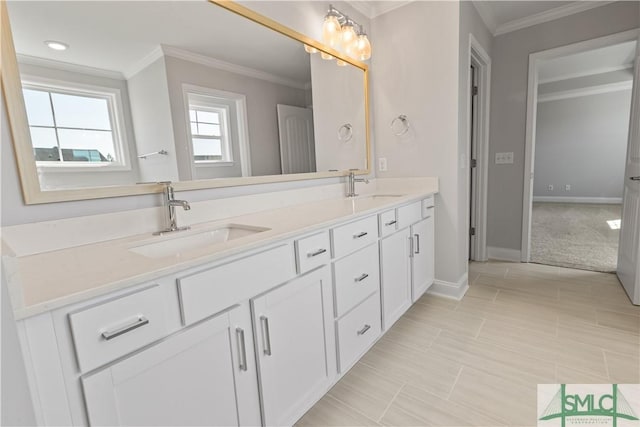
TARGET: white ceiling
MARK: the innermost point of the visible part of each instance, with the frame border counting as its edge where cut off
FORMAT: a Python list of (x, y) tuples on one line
[(596, 61), (117, 35)]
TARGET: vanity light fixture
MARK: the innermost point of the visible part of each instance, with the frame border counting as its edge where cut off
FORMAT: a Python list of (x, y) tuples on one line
[(344, 34), (56, 45)]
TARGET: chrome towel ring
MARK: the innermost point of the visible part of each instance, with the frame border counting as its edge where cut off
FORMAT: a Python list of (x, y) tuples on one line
[(400, 125), (345, 132)]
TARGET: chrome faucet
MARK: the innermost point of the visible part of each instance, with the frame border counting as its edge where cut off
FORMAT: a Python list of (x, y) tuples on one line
[(351, 184), (170, 203)]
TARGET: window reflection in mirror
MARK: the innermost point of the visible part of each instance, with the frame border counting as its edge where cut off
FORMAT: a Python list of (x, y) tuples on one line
[(171, 96)]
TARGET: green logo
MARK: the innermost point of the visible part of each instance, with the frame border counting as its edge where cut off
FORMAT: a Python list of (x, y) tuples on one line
[(613, 405)]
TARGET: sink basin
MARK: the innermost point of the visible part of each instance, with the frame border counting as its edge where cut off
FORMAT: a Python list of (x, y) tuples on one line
[(176, 245)]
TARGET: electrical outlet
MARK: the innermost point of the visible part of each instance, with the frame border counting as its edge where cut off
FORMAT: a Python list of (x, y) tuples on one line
[(550, 187), (382, 164), (567, 187)]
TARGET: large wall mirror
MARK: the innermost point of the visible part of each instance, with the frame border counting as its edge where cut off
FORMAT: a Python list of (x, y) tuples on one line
[(106, 98)]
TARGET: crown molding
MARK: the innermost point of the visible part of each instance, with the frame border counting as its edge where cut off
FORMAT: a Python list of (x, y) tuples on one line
[(592, 90), (218, 64), (144, 62), (591, 72), (372, 9), (69, 67), (484, 10), (548, 15)]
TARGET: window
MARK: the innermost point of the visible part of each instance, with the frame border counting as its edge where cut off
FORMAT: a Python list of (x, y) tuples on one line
[(209, 124), (73, 127)]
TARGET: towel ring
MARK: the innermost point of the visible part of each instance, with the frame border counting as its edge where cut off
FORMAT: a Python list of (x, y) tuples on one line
[(345, 132), (400, 125)]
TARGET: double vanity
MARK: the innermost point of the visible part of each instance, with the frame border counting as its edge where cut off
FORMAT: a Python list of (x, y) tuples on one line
[(246, 320)]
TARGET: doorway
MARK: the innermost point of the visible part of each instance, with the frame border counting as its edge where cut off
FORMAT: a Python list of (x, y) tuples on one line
[(577, 135), (478, 90)]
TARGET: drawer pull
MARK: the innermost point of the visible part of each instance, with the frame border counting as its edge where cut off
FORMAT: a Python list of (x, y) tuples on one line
[(139, 322), (361, 278), (316, 253), (364, 330), (266, 338), (430, 207), (390, 223), (359, 235), (417, 243), (242, 350)]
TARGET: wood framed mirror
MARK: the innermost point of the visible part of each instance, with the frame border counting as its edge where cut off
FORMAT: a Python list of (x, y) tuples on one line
[(159, 110)]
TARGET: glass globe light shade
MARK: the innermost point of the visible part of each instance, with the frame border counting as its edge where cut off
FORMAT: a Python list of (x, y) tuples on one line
[(326, 56), (310, 49), (363, 49), (331, 31)]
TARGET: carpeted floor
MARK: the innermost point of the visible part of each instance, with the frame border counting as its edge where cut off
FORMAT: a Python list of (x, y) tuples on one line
[(575, 235)]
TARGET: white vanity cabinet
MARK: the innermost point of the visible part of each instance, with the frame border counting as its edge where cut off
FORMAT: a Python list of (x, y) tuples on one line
[(295, 346), (203, 375), (406, 258)]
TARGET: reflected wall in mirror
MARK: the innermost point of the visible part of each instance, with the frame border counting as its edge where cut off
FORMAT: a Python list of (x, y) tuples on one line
[(178, 91)]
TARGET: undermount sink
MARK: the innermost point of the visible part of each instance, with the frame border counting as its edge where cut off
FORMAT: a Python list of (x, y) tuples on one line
[(175, 245)]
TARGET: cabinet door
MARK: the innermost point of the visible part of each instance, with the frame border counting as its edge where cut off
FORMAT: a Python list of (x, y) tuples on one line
[(202, 376), (295, 346), (395, 275), (422, 259)]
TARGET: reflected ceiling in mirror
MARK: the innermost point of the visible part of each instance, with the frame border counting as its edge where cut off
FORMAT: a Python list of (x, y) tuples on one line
[(152, 91)]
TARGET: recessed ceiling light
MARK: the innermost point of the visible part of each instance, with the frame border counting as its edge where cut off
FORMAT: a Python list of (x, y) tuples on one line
[(52, 44)]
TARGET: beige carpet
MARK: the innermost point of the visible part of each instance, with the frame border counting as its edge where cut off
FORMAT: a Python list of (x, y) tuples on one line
[(575, 235)]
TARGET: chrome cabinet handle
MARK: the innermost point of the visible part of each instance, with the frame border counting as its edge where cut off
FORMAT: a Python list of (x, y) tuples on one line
[(139, 322), (242, 350), (417, 236), (634, 178), (430, 207), (410, 246), (364, 329), (361, 278), (359, 235), (390, 223), (316, 253), (266, 336)]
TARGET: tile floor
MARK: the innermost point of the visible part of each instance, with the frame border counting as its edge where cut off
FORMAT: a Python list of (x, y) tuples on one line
[(477, 361)]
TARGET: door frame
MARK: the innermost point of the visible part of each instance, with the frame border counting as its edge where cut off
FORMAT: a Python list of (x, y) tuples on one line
[(532, 102), (482, 61)]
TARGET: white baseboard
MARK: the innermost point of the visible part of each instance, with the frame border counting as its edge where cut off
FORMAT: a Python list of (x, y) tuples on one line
[(503, 254), (450, 290), (598, 200)]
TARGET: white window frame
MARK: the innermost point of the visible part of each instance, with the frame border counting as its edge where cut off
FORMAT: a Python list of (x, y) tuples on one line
[(116, 116), (225, 142), (243, 126)]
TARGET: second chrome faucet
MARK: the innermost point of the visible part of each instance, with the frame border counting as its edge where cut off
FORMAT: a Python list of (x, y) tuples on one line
[(351, 184), (170, 203)]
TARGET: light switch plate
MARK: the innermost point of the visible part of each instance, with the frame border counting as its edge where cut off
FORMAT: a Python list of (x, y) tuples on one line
[(504, 158)]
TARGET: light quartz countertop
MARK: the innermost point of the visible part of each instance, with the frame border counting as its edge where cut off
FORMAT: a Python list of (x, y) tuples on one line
[(53, 279)]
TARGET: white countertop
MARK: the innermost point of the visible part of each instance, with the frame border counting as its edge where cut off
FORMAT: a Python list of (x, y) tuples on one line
[(57, 278)]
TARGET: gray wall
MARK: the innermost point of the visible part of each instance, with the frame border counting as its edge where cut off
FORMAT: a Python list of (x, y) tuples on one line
[(509, 99), (582, 141), (261, 97)]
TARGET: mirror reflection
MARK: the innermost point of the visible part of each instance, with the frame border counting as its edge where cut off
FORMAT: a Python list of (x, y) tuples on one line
[(118, 93)]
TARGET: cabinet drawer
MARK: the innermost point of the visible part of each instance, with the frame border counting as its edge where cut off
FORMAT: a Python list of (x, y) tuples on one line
[(427, 207), (110, 330), (388, 222), (358, 330), (356, 277), (312, 251), (211, 291), (353, 236), (409, 214)]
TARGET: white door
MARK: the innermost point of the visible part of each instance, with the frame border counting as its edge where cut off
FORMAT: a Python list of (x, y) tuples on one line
[(297, 149), (295, 346), (205, 375), (629, 246), (395, 276), (422, 258)]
